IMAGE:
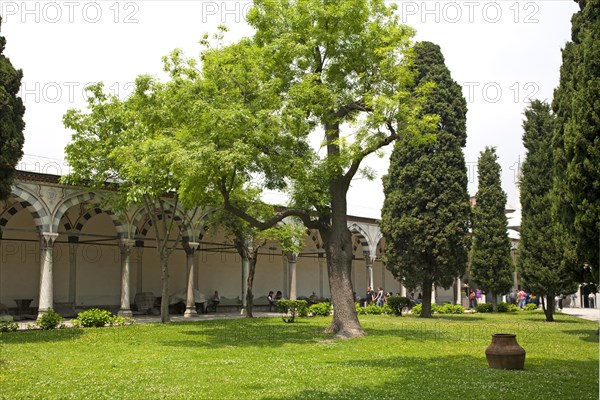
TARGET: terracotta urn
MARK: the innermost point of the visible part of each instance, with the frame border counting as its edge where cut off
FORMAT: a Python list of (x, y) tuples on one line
[(505, 352)]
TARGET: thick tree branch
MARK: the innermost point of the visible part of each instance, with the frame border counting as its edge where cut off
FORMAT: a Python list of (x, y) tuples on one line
[(369, 150), (263, 225)]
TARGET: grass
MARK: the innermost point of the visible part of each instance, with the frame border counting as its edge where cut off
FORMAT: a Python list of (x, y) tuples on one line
[(440, 358)]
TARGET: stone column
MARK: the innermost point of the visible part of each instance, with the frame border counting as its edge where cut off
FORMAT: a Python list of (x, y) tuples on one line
[(292, 259), (47, 240), (433, 294), (139, 252), (458, 293), (321, 256), (369, 261), (245, 273), (190, 304), (73, 240), (402, 290), (125, 246)]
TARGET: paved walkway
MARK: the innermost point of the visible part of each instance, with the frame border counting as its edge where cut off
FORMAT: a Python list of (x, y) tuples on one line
[(592, 314)]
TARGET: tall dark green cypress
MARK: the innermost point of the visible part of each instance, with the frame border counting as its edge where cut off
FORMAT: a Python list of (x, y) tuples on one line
[(425, 215), (491, 265), (11, 121), (541, 265), (576, 143)]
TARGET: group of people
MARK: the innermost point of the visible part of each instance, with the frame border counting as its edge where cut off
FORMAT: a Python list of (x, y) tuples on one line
[(378, 297), (475, 297), (273, 298)]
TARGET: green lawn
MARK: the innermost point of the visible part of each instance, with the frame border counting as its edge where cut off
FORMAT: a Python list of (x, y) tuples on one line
[(408, 358)]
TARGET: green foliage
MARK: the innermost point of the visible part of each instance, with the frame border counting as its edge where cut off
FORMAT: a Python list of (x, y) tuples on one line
[(542, 267), (438, 309), (425, 215), (450, 309), (322, 309), (491, 265), (484, 308), (397, 303), (530, 307), (417, 308), (8, 325), (576, 194), (50, 320), (11, 120), (95, 318), (373, 309), (292, 308)]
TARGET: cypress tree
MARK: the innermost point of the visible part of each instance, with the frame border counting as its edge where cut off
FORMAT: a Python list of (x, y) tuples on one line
[(425, 215), (576, 143), (540, 263), (11, 121), (491, 265)]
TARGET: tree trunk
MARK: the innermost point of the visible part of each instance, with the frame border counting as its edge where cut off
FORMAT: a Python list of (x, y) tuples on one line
[(249, 293), (426, 299), (549, 307), (494, 300), (164, 302), (339, 251)]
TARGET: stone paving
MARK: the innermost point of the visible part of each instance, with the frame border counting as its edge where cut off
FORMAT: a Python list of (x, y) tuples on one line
[(592, 314)]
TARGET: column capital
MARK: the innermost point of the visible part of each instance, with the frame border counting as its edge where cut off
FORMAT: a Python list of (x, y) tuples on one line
[(292, 257), (47, 239), (126, 244), (190, 247)]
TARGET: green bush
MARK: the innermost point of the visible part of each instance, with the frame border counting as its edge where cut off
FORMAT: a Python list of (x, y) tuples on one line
[(374, 309), (435, 309), (530, 307), (506, 307), (50, 320), (484, 308), (94, 318), (397, 303), (450, 309), (322, 309), (292, 308), (8, 325)]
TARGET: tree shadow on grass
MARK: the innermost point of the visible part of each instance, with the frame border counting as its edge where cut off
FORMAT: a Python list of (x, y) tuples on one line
[(252, 333), (456, 377), (40, 336), (587, 335)]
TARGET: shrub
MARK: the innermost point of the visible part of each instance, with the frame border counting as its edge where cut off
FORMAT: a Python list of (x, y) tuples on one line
[(513, 308), (94, 318), (7, 325), (292, 308), (506, 307), (530, 307), (50, 320), (323, 309), (397, 303), (416, 310), (484, 308), (450, 309)]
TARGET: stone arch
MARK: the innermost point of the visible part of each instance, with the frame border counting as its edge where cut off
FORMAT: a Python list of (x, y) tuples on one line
[(31, 202), (79, 199), (362, 237), (141, 221)]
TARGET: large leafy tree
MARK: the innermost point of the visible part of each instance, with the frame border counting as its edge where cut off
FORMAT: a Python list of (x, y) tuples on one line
[(576, 140), (335, 70), (425, 216), (540, 264), (11, 120), (128, 146), (491, 265)]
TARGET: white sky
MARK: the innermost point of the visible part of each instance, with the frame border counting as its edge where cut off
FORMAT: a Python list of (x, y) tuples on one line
[(502, 52)]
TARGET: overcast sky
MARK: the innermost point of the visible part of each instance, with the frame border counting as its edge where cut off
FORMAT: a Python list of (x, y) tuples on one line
[(502, 52)]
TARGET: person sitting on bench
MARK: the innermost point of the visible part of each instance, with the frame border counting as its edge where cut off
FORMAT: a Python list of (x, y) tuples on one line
[(215, 300)]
